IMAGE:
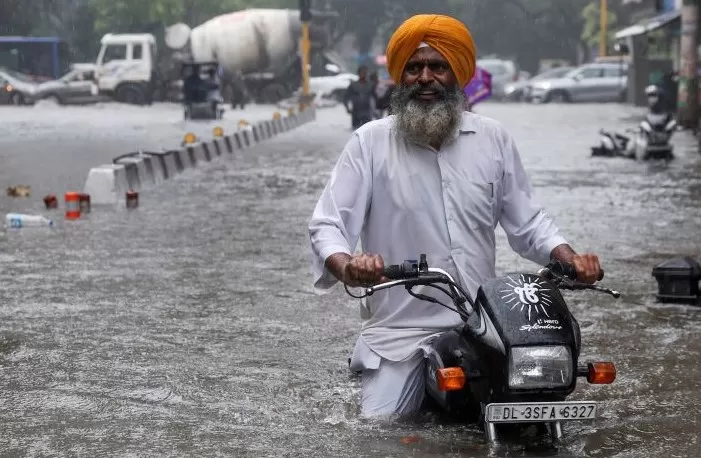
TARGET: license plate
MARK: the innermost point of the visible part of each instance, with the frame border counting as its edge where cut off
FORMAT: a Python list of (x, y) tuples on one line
[(526, 412)]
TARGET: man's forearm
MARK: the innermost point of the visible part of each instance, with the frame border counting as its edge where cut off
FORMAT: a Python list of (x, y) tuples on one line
[(336, 264), (563, 253)]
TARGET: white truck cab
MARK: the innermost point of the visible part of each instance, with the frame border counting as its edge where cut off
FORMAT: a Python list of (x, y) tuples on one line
[(125, 67)]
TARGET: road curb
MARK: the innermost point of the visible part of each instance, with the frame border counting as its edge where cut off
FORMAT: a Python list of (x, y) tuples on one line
[(108, 183)]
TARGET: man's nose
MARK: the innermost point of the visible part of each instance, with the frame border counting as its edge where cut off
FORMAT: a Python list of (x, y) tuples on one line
[(426, 76)]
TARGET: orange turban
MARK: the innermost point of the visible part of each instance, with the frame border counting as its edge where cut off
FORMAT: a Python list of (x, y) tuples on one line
[(445, 34)]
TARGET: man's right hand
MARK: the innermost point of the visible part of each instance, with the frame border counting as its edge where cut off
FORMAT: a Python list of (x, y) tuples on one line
[(358, 270), (364, 270)]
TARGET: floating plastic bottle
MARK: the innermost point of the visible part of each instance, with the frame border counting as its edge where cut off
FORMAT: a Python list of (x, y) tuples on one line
[(18, 220)]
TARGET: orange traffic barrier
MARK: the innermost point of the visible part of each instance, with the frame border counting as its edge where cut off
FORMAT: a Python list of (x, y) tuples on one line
[(72, 205)]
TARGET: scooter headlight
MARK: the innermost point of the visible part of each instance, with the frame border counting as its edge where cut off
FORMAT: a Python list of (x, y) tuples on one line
[(540, 367)]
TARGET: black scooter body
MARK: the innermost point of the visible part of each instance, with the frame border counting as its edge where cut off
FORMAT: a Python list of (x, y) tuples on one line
[(513, 310)]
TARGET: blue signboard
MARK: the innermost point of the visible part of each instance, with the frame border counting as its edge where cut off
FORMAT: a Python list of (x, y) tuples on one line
[(669, 5)]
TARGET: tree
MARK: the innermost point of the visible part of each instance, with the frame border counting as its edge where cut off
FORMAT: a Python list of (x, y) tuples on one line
[(591, 31)]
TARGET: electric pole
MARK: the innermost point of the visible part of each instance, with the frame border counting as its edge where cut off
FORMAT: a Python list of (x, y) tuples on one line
[(688, 100), (305, 15)]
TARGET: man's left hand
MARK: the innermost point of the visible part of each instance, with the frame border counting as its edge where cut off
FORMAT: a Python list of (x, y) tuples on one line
[(587, 267)]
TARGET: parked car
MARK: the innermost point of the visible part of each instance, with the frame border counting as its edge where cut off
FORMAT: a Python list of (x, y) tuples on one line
[(16, 88), (521, 90), (503, 72), (74, 87), (598, 82)]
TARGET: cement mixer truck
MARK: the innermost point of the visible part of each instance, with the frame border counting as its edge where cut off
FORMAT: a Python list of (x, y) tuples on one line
[(256, 49)]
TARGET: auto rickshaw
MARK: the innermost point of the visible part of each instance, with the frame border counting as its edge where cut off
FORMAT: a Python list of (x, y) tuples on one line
[(201, 92)]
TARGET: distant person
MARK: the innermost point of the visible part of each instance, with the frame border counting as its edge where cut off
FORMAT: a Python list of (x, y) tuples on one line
[(192, 86), (361, 95), (375, 81)]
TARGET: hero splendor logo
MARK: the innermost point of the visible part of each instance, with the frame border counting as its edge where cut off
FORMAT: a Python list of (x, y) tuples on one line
[(532, 298)]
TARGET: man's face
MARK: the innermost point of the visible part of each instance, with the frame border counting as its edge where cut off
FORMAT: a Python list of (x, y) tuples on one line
[(363, 73), (429, 101), (431, 73)]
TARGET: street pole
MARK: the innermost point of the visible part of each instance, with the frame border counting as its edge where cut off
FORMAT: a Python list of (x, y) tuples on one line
[(603, 20), (688, 105), (305, 46)]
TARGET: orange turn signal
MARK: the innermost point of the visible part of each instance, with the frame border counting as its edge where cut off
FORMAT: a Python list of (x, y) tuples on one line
[(450, 379), (601, 373)]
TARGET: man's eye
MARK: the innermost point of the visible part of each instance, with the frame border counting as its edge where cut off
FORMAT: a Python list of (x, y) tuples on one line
[(438, 67), (413, 68)]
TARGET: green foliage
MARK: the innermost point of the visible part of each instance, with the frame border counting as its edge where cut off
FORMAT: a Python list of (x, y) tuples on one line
[(591, 31)]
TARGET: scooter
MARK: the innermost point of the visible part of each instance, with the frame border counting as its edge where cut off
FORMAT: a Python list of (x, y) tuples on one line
[(516, 357), (653, 136), (649, 141), (612, 144)]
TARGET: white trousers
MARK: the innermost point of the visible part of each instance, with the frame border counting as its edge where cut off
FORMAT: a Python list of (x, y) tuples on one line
[(394, 388)]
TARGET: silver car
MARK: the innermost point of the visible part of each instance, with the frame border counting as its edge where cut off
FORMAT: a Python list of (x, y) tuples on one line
[(73, 87), (521, 90), (600, 82), (16, 88)]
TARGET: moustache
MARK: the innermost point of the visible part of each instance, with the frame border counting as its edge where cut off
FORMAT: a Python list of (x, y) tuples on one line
[(414, 89)]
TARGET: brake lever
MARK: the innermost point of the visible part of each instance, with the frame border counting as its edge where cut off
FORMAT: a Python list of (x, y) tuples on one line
[(566, 283)]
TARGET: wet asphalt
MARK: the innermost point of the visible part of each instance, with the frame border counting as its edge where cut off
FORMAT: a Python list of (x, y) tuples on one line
[(189, 327)]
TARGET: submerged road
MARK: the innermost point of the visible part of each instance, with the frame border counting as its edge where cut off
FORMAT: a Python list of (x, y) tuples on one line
[(189, 326)]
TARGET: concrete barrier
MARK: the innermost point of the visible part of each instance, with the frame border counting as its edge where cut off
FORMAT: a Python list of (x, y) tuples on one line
[(154, 168), (107, 184), (136, 171), (181, 159), (217, 147), (167, 160), (198, 153), (237, 141), (229, 147), (247, 137)]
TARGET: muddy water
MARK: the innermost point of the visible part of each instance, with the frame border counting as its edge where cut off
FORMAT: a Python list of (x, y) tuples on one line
[(189, 326)]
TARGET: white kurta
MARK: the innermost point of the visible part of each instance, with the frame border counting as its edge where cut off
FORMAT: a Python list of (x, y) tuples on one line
[(402, 199)]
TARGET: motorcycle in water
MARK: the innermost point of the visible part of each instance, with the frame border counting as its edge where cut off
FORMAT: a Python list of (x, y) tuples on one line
[(649, 141), (516, 357)]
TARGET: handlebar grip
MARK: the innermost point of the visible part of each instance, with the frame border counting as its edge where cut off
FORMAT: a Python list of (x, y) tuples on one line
[(568, 270), (394, 272)]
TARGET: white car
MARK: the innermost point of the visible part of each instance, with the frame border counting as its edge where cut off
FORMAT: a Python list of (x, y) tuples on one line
[(331, 87)]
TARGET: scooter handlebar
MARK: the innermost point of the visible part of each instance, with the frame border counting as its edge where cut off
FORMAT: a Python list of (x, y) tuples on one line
[(394, 272), (567, 270)]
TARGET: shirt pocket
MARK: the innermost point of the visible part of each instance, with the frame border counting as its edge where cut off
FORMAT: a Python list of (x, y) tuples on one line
[(478, 202)]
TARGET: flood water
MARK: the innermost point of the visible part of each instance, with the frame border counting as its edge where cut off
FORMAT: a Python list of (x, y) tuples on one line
[(189, 327)]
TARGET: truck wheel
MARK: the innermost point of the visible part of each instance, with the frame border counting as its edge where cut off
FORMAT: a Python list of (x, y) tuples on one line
[(131, 94)]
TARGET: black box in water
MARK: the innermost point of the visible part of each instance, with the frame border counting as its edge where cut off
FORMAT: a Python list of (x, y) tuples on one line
[(678, 280)]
